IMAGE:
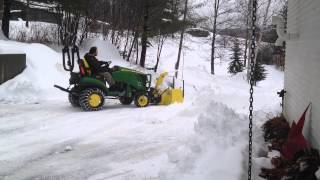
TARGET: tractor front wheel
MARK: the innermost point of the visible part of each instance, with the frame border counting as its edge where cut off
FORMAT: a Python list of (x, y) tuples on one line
[(126, 100), (91, 99), (141, 100)]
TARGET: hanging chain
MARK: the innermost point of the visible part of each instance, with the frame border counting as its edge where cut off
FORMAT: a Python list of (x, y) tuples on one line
[(252, 64)]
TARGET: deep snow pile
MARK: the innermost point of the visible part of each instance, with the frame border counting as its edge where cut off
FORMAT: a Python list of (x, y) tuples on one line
[(219, 147), (216, 151), (35, 83)]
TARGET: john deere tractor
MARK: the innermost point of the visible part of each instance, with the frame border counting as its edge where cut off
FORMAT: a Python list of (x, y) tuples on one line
[(89, 91)]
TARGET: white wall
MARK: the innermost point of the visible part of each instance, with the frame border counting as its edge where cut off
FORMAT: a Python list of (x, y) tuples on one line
[(302, 74)]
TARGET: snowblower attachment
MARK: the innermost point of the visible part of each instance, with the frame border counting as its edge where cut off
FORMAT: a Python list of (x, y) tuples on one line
[(170, 95)]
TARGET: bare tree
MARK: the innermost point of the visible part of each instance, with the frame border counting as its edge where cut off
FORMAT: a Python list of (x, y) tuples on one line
[(75, 20), (27, 13), (181, 38), (161, 39), (214, 33), (134, 42), (219, 17), (68, 27), (144, 39), (247, 14), (265, 18)]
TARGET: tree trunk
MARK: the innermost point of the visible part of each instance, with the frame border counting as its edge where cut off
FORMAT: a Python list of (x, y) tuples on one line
[(6, 18), (214, 33), (181, 38), (127, 39), (126, 44), (160, 46), (1, 16), (132, 45), (137, 51), (105, 19), (144, 38), (113, 14), (27, 13), (1, 9)]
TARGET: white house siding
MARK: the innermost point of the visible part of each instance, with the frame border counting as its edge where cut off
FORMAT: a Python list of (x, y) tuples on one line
[(302, 74)]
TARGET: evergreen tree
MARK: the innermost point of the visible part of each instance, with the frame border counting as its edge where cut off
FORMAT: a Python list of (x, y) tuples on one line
[(259, 72), (236, 65)]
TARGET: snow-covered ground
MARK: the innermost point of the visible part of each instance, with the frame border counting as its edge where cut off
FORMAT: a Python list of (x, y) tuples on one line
[(43, 137)]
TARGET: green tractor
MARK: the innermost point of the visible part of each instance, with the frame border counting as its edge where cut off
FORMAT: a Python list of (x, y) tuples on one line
[(89, 91)]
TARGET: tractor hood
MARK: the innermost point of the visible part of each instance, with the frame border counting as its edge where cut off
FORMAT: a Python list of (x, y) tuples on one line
[(123, 69)]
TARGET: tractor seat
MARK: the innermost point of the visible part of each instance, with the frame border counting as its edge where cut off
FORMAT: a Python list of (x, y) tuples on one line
[(85, 70), (84, 67)]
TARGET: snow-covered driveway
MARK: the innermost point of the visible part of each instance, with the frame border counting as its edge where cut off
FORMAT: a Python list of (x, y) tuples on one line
[(43, 138), (54, 140)]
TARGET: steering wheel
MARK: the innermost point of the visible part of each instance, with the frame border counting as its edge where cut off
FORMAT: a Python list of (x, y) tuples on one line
[(107, 64)]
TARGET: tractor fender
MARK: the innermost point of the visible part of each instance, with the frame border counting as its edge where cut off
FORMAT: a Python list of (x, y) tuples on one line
[(88, 82)]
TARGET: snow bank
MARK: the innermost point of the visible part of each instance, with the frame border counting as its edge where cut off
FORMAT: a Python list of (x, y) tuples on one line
[(43, 70), (219, 147), (216, 151)]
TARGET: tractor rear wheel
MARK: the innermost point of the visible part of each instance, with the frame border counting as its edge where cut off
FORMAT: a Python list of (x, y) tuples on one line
[(73, 99), (141, 100), (91, 99), (126, 100)]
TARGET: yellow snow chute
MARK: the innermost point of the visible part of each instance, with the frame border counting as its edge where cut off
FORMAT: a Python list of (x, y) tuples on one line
[(170, 95)]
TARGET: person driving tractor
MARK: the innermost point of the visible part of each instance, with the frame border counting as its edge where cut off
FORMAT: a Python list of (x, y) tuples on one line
[(99, 67)]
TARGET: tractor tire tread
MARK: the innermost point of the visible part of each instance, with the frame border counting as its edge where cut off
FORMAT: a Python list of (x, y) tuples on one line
[(136, 100), (83, 99), (126, 100)]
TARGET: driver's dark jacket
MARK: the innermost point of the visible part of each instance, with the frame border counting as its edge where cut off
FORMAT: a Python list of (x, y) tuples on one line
[(95, 65)]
